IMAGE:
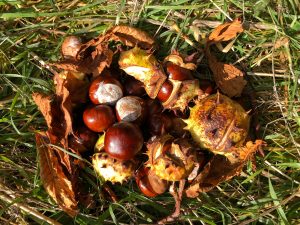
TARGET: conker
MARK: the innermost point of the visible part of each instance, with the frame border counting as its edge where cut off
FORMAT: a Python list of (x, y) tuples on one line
[(70, 47), (207, 86), (123, 141), (98, 118), (105, 90), (153, 106), (159, 124), (134, 87), (176, 72), (83, 139), (165, 91), (130, 108), (150, 184)]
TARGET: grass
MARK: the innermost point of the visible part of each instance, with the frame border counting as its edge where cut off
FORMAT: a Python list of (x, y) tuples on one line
[(268, 195)]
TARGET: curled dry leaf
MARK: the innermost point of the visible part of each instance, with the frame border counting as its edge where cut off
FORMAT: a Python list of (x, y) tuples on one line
[(226, 31), (55, 181), (227, 77), (57, 110), (221, 169), (91, 62), (131, 36)]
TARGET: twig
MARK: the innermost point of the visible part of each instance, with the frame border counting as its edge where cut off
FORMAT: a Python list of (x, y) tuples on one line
[(281, 173), (111, 193), (178, 198)]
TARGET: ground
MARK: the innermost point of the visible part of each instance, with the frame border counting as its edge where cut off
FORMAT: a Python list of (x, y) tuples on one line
[(268, 51)]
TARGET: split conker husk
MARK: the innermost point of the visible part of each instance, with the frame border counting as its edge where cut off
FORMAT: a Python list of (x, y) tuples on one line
[(111, 169), (123, 141)]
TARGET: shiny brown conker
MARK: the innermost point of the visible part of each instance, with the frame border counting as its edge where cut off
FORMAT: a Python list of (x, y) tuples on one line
[(133, 87), (130, 109), (70, 47), (123, 141), (153, 106), (159, 124), (176, 72), (207, 86), (99, 117), (165, 91), (105, 90), (150, 184), (83, 139)]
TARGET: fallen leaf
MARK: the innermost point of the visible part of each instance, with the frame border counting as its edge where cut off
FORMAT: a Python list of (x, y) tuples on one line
[(283, 41), (44, 104), (58, 110), (55, 181), (227, 77), (222, 168), (94, 63), (131, 36), (50, 109), (226, 31)]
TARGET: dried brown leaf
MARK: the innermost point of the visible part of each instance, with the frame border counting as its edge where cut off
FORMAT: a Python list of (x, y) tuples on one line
[(55, 181), (226, 31), (94, 62), (227, 77), (131, 36), (221, 168), (44, 104), (58, 109)]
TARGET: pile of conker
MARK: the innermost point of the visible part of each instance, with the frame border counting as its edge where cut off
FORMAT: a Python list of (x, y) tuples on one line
[(155, 140)]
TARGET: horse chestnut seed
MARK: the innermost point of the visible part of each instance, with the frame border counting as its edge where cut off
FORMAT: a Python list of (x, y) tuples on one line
[(165, 91), (123, 141), (98, 118), (159, 124), (83, 139), (176, 72), (105, 90), (130, 108), (70, 47), (150, 184), (134, 87)]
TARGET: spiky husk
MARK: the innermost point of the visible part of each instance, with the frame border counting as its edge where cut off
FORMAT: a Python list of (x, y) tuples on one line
[(218, 123), (144, 67), (111, 169), (177, 59), (173, 163), (183, 92)]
